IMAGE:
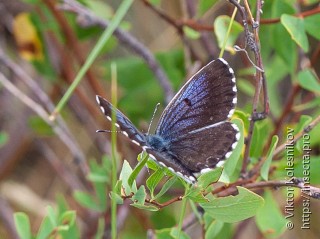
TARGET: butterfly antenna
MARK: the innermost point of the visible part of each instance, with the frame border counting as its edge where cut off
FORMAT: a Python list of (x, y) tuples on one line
[(154, 113), (107, 131)]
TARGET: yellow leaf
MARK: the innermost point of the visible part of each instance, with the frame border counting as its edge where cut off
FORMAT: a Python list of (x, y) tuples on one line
[(27, 39)]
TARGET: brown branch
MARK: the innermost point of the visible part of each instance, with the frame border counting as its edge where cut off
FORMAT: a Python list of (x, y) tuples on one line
[(306, 189), (301, 15), (164, 16), (155, 203), (167, 203), (253, 42)]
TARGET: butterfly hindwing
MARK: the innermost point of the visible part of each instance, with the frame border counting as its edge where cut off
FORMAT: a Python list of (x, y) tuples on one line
[(203, 149)]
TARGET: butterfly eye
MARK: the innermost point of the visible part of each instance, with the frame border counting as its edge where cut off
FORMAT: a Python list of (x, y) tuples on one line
[(187, 101)]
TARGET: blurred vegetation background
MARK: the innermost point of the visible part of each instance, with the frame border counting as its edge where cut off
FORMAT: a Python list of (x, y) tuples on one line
[(156, 48)]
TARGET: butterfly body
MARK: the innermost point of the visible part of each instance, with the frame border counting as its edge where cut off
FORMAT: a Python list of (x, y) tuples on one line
[(194, 133)]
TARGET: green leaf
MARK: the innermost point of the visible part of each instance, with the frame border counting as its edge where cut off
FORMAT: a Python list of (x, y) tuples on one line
[(124, 176), (164, 234), (100, 9), (311, 25), (308, 81), (190, 33), (45, 229), (174, 232), (210, 177), (86, 200), (196, 195), (118, 187), (40, 126), (213, 228), (231, 163), (270, 228), (303, 122), (154, 180), (97, 178), (166, 187), (285, 48), (276, 69), (205, 5), (138, 168), (22, 224), (261, 129), (221, 25), (52, 215), (116, 197), (145, 207), (140, 196), (245, 86), (68, 218), (266, 165), (155, 2), (245, 204), (295, 27), (3, 138)]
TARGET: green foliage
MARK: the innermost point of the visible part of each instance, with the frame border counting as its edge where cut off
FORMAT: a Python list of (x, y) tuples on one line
[(266, 166), (270, 228), (295, 27), (246, 204), (56, 223), (22, 223), (192, 34), (230, 170), (3, 138), (308, 81), (205, 5), (220, 29)]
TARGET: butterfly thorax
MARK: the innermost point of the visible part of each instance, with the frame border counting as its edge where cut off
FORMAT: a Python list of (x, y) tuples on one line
[(157, 142)]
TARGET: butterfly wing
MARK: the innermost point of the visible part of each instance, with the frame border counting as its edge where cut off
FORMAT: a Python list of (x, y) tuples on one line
[(203, 149), (196, 124), (122, 122), (209, 97)]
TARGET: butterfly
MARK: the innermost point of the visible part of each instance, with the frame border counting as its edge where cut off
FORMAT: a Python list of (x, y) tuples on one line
[(194, 133)]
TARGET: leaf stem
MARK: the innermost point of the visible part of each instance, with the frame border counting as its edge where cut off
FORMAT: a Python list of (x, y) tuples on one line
[(182, 214), (114, 150), (228, 32)]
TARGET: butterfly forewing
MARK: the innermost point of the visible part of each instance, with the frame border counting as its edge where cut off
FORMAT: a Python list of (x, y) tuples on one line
[(209, 97), (122, 122)]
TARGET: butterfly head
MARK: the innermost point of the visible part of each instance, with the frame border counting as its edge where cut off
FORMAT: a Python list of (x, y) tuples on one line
[(157, 142)]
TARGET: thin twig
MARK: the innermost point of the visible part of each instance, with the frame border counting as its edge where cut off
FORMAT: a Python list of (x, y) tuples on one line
[(306, 189), (301, 15), (6, 217), (253, 42), (38, 109)]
